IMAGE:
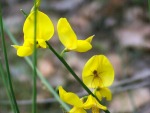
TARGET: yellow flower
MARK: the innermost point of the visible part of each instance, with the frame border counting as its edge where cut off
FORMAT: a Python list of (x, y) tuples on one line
[(69, 39), (44, 32), (91, 102), (72, 99), (98, 72), (103, 93)]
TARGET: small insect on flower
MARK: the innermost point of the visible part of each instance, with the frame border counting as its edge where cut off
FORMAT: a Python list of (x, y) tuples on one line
[(98, 72)]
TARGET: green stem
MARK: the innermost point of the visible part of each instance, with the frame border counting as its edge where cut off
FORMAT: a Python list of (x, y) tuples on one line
[(34, 96), (6, 85), (36, 5), (62, 53), (73, 73), (7, 65)]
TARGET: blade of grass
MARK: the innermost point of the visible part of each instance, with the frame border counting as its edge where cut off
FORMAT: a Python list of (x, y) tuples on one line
[(7, 65), (3, 76), (34, 96), (44, 81)]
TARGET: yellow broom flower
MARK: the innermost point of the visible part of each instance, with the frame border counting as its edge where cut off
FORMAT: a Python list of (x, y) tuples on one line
[(72, 99), (69, 39), (44, 32), (98, 72)]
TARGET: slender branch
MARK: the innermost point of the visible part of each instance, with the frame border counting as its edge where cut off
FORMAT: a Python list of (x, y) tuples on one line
[(73, 73)]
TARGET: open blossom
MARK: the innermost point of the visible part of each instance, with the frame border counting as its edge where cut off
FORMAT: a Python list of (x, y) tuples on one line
[(44, 32), (98, 72), (69, 39), (72, 99), (79, 106)]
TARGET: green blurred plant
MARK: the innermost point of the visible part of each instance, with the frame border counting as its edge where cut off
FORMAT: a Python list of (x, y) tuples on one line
[(7, 76)]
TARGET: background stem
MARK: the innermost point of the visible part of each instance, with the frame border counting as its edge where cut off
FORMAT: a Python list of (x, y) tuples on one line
[(9, 83), (34, 63)]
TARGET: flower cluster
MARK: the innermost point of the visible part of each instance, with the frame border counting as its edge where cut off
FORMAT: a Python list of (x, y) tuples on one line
[(44, 32), (98, 74)]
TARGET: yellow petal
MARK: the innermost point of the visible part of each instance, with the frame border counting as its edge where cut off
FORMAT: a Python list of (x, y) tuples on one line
[(98, 72), (44, 27), (15, 46), (77, 110), (89, 39), (98, 94), (87, 73), (66, 34), (104, 92), (105, 70), (95, 110), (92, 102), (70, 98), (23, 51), (42, 43), (83, 46)]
